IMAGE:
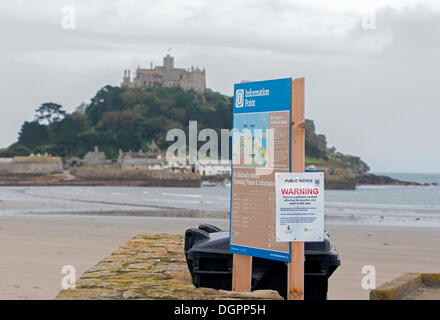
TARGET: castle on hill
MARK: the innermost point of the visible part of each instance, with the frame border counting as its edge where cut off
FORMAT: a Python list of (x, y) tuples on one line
[(166, 76)]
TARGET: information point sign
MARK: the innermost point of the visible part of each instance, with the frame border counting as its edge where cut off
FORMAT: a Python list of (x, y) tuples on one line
[(299, 206), (261, 141), (268, 126)]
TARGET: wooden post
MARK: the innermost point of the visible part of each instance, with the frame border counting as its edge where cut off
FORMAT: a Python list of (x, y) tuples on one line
[(241, 266), (241, 273), (295, 277)]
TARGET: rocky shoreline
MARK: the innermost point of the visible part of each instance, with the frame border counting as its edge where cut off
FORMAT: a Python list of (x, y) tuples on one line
[(103, 177), (133, 178), (372, 179)]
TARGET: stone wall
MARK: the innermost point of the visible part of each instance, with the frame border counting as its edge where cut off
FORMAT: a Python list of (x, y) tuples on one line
[(5, 164), (37, 167), (33, 164), (409, 286), (150, 266)]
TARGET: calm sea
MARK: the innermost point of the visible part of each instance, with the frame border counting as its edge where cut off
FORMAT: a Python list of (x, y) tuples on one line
[(399, 195), (401, 205), (386, 205)]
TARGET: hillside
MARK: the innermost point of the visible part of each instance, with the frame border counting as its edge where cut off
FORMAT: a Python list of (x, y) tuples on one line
[(132, 119)]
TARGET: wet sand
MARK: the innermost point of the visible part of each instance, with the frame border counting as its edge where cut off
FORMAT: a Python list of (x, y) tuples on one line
[(34, 248), (391, 250)]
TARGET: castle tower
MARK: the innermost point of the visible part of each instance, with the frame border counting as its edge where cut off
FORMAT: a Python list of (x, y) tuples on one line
[(168, 62), (166, 76), (126, 80)]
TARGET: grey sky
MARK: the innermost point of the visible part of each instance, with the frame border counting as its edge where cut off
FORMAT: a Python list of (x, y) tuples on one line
[(373, 92)]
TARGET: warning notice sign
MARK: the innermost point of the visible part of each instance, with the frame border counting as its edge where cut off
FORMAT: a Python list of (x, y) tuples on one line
[(299, 206)]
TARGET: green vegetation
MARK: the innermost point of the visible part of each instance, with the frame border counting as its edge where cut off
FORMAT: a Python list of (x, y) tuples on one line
[(133, 118), (316, 162), (116, 118), (49, 112), (316, 144)]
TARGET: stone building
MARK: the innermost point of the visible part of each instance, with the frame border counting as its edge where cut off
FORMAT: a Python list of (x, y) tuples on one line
[(176, 165), (213, 168), (166, 76), (96, 159), (140, 160), (44, 164)]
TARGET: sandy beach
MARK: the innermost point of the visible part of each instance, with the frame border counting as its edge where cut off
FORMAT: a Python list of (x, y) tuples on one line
[(34, 248), (391, 250)]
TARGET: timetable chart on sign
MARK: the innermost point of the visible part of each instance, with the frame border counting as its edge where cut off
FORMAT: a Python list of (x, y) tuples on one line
[(253, 203)]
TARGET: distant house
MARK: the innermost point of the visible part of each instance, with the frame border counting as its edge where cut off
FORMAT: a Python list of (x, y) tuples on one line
[(96, 159), (140, 160), (45, 164), (213, 168), (202, 167), (175, 165)]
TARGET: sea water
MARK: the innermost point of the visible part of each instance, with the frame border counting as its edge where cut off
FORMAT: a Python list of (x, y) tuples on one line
[(381, 204), (388, 204)]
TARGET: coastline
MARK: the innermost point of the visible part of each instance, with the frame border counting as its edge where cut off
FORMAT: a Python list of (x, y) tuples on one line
[(102, 177), (375, 179), (148, 178)]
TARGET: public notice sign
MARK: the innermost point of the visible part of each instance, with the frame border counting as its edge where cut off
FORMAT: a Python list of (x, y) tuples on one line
[(299, 206), (260, 147)]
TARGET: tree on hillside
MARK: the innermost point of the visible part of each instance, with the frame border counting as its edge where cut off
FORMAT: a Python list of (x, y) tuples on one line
[(49, 112), (106, 99), (64, 134), (33, 134), (131, 118), (15, 149), (316, 144)]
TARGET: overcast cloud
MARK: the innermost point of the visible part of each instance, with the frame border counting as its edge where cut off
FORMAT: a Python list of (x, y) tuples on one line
[(372, 92)]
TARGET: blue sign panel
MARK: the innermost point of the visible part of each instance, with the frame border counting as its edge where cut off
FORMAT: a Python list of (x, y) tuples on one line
[(261, 109), (260, 96)]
